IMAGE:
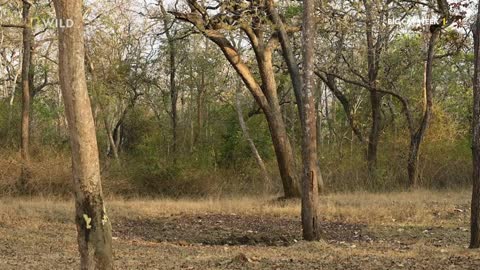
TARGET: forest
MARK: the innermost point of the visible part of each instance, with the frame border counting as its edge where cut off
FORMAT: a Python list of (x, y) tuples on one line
[(239, 134)]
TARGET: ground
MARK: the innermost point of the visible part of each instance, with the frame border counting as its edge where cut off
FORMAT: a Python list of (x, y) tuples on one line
[(418, 230)]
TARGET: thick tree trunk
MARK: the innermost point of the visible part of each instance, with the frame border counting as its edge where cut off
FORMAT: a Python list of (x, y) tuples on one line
[(311, 172), (266, 177), (26, 98), (93, 226), (284, 154), (475, 206)]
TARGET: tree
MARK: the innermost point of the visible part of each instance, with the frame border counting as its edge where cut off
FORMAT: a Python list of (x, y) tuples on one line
[(417, 136), (475, 206), (27, 81), (172, 56), (252, 23), (311, 172), (93, 226)]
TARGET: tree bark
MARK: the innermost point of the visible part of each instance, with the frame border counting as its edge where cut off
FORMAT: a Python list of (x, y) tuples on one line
[(311, 172), (93, 226), (475, 204), (26, 78)]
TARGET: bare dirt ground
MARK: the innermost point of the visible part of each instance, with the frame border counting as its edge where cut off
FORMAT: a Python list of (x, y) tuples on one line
[(420, 230)]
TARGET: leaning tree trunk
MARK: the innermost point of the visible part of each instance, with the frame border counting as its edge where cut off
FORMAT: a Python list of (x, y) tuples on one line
[(93, 226), (311, 172), (246, 134), (26, 96), (283, 152), (475, 207)]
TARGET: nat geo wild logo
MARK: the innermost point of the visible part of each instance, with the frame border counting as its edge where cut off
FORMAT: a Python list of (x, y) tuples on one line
[(41, 21)]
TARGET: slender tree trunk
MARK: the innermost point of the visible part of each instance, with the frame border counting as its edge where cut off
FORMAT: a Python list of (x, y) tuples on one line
[(93, 226), (375, 97), (475, 206), (202, 89), (111, 140), (374, 136), (311, 172), (318, 109), (417, 137), (26, 97), (266, 177), (173, 99), (172, 53), (200, 109)]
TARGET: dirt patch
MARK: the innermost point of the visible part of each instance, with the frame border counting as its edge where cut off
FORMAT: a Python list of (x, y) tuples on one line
[(232, 229)]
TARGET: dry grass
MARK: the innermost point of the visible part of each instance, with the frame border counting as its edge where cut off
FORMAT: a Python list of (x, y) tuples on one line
[(418, 230)]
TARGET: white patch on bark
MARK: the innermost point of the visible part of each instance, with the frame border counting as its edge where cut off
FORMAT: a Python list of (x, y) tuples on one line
[(87, 221), (104, 219)]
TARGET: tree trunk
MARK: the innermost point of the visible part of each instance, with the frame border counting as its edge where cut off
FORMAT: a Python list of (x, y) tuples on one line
[(93, 226), (318, 109), (200, 102), (172, 53), (26, 98), (202, 89), (475, 206), (417, 138), (374, 136), (111, 140), (373, 61), (311, 172), (266, 177)]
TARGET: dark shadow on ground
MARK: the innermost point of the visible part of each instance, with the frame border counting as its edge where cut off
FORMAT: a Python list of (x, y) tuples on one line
[(223, 229)]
